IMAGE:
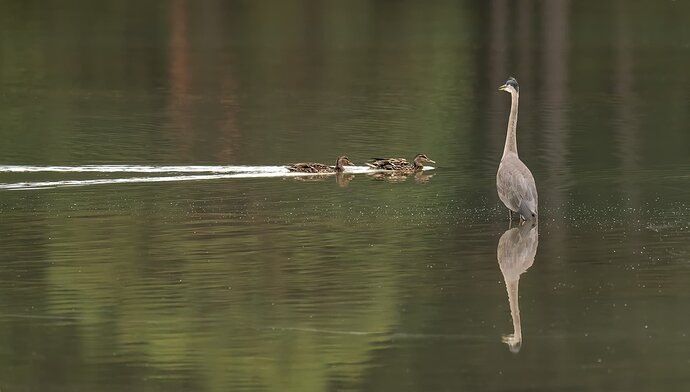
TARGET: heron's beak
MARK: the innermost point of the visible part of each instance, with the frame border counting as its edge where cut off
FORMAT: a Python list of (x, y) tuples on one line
[(503, 88)]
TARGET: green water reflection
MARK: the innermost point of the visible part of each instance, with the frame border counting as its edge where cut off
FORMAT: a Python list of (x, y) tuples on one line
[(364, 283)]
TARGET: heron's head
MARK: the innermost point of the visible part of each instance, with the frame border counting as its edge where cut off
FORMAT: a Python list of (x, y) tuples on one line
[(342, 161), (421, 159), (513, 341), (510, 86)]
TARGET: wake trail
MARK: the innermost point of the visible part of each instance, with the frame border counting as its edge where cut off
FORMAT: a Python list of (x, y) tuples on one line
[(184, 173)]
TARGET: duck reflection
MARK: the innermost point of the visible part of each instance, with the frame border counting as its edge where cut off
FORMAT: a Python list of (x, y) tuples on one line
[(397, 176), (341, 179), (516, 250)]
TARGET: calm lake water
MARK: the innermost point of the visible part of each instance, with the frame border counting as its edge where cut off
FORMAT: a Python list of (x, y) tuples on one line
[(212, 282)]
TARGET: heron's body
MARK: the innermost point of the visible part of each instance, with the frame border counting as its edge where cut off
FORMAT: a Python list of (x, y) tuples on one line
[(516, 186), (514, 181)]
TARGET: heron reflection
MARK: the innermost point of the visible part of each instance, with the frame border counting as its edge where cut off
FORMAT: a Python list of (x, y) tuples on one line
[(516, 250)]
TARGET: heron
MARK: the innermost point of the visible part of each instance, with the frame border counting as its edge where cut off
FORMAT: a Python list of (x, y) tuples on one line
[(514, 181)]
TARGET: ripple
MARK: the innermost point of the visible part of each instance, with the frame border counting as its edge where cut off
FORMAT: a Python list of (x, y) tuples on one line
[(225, 173)]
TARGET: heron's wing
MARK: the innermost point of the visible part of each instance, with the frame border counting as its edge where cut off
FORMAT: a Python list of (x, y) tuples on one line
[(516, 185)]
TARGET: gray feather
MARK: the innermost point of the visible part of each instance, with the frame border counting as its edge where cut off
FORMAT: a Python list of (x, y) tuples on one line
[(516, 186)]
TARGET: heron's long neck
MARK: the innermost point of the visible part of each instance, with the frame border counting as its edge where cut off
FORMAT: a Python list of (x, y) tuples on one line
[(512, 288), (511, 142)]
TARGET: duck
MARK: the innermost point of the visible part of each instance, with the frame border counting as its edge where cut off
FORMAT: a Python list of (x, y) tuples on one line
[(400, 164), (313, 167)]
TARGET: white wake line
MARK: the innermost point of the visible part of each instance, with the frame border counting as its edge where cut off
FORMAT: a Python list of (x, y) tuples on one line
[(134, 180), (141, 169), (164, 169)]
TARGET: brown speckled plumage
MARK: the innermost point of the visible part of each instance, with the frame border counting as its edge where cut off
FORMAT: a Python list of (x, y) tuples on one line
[(400, 164), (313, 167)]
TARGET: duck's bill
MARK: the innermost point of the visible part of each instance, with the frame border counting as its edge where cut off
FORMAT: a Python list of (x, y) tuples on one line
[(430, 161)]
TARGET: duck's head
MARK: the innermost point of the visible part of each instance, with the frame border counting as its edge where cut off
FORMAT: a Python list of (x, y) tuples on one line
[(511, 86), (341, 162), (421, 159)]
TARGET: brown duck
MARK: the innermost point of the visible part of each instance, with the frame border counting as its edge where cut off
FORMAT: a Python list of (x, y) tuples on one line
[(400, 164), (312, 167)]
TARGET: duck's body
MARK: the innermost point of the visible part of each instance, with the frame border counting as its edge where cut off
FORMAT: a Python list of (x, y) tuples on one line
[(514, 181), (400, 164), (313, 167)]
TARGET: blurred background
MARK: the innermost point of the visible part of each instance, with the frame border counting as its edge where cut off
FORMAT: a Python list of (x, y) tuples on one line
[(278, 284)]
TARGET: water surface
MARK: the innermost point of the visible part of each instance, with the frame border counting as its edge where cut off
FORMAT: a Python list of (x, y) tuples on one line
[(206, 275)]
